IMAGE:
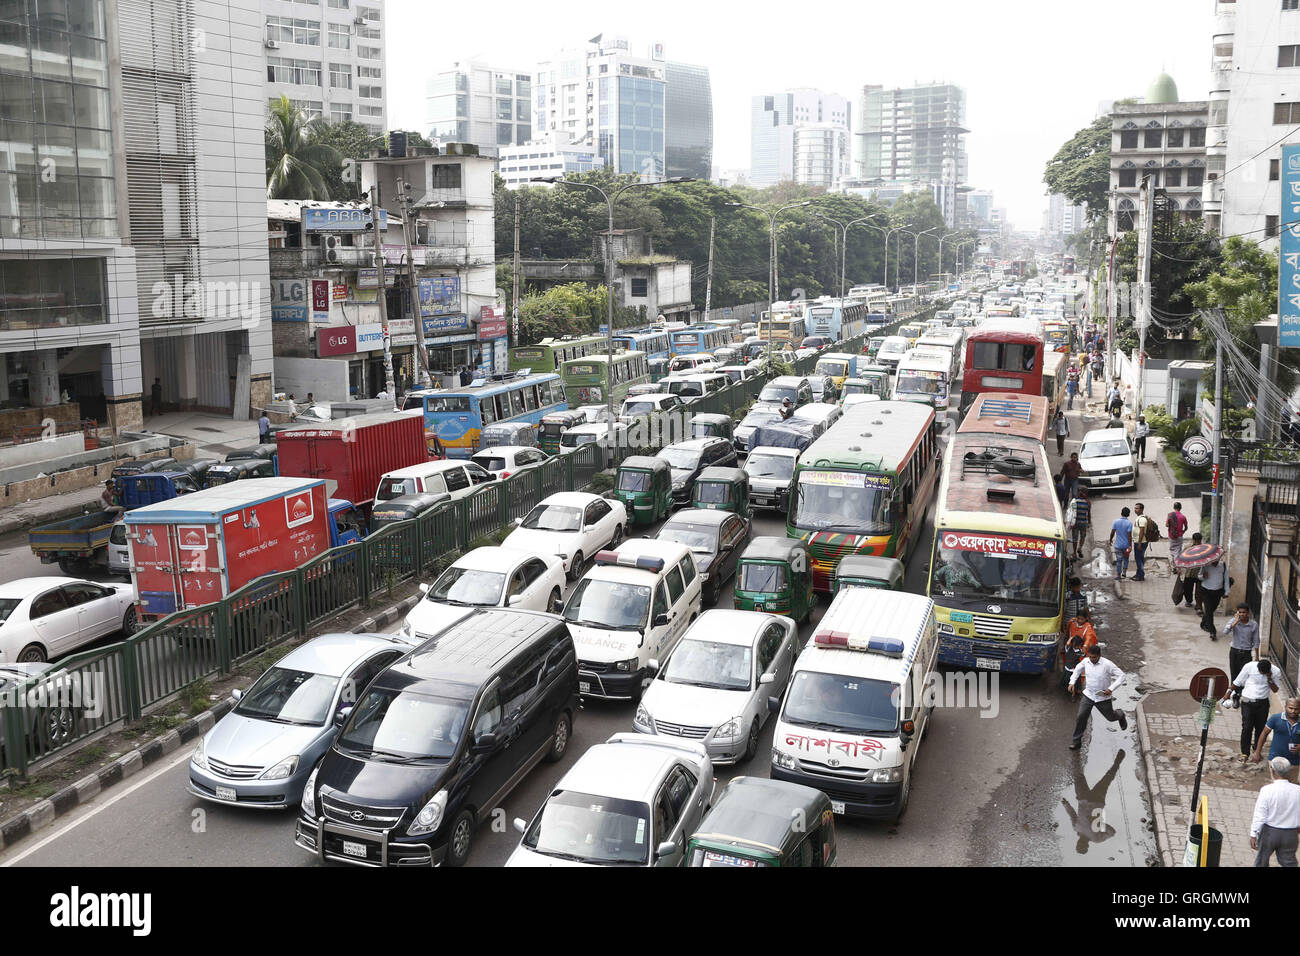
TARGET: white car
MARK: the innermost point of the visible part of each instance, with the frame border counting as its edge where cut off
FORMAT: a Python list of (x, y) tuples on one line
[(632, 801), (1108, 460), (487, 577), (594, 413), (646, 405), (715, 686), (571, 524), (45, 618), (502, 461)]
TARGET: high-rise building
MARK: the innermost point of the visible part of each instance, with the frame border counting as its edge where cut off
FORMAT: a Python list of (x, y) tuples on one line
[(328, 58), (979, 204), (472, 102), (1063, 218), (774, 119), (909, 133), (546, 156), (688, 132)]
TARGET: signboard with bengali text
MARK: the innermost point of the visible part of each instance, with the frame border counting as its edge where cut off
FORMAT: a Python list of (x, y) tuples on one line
[(998, 544), (1288, 307)]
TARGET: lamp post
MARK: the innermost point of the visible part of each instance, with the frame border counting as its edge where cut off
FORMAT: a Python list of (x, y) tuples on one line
[(771, 215), (883, 231), (610, 198), (844, 239), (916, 246), (897, 278)]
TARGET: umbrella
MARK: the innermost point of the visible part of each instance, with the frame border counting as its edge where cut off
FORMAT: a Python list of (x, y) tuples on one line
[(1198, 556)]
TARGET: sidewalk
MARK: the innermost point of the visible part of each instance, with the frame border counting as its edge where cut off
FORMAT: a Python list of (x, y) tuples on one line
[(1172, 648)]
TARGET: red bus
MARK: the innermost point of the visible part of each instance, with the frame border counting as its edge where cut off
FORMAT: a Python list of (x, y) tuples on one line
[(1003, 355)]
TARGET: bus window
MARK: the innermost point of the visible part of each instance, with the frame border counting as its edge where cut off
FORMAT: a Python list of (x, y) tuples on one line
[(985, 355), (529, 394), (488, 409), (557, 393), (502, 406), (448, 403), (1028, 353), (516, 402)]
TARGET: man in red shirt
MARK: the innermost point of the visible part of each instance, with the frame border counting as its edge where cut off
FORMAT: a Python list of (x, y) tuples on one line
[(1176, 526)]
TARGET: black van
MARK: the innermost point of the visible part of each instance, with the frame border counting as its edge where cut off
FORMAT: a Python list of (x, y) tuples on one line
[(440, 738)]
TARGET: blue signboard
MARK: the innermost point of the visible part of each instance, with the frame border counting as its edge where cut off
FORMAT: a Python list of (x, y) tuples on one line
[(446, 324), (1288, 307), (340, 220), (440, 296)]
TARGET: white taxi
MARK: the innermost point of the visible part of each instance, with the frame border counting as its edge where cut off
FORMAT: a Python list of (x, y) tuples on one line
[(572, 524)]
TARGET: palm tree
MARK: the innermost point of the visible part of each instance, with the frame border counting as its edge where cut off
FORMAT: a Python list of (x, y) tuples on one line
[(295, 163)]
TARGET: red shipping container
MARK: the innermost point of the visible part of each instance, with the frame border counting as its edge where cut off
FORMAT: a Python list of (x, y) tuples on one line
[(352, 454), (198, 548)]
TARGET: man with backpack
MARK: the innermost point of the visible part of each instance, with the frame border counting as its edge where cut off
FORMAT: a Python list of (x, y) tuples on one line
[(1144, 532), (1175, 527)]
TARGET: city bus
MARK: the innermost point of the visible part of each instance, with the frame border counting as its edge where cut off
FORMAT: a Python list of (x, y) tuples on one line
[(1003, 355), (587, 380), (1054, 366), (998, 413), (782, 328), (951, 342), (838, 319), (1058, 335), (550, 353), (699, 338), (863, 486), (456, 416), (923, 376), (998, 562), (655, 343)]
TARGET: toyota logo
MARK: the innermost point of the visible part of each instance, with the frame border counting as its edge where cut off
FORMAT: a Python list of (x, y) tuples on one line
[(995, 608), (834, 762), (357, 815)]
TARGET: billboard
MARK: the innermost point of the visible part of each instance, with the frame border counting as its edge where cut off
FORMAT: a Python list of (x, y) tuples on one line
[(446, 324), (1288, 307), (340, 220), (289, 300), (440, 295)]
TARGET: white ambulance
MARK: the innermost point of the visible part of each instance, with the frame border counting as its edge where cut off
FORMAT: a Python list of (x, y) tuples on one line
[(852, 719)]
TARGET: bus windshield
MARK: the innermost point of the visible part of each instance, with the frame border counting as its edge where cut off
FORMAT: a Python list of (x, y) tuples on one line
[(842, 501), (925, 383), (978, 567)]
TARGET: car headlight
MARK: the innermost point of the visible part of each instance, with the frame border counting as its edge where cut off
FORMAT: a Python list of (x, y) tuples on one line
[(430, 818), (627, 666), (200, 759), (642, 719), (887, 775), (732, 728), (784, 761), (1044, 638), (283, 770), (309, 793), (943, 627)]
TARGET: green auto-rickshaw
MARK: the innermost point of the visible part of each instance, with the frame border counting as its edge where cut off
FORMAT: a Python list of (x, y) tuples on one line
[(868, 571), (645, 486), (722, 489), (775, 575), (713, 426), (553, 426), (761, 822), (873, 345)]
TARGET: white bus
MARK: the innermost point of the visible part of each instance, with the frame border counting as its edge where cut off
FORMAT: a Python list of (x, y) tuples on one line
[(923, 376)]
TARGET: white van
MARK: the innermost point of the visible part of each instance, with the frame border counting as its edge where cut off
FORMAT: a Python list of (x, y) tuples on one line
[(821, 415), (858, 703), (632, 607), (692, 362), (457, 478)]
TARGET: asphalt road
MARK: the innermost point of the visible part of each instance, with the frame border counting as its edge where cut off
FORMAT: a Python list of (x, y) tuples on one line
[(992, 789)]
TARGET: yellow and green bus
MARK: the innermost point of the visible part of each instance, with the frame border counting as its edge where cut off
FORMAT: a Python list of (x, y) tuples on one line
[(550, 354), (998, 565), (863, 487), (588, 380)]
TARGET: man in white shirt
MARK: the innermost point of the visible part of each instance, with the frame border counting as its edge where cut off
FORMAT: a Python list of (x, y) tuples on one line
[(1101, 677), (1275, 827), (1252, 685)]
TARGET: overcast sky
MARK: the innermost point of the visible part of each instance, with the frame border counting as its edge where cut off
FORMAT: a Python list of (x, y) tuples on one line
[(1034, 70)]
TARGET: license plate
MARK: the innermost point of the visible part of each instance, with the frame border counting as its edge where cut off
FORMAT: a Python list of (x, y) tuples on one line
[(584, 687), (837, 806), (225, 793), (1107, 481), (983, 663), (354, 849)]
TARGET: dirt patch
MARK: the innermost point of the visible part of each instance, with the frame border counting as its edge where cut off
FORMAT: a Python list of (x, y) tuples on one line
[(1223, 766)]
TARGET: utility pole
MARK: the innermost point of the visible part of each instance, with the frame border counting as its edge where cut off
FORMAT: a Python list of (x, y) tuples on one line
[(1143, 316), (1216, 501), (1110, 318), (514, 313), (389, 387), (708, 284), (417, 319)]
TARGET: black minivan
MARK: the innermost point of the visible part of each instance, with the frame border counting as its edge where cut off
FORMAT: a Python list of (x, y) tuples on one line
[(439, 738)]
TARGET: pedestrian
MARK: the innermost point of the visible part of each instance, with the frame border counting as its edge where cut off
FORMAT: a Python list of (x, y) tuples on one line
[(264, 428), (1175, 528), (1071, 471), (465, 377), (1087, 374), (1115, 401), (1275, 826), (1098, 368), (1081, 626), (1140, 432), (311, 400), (1062, 492), (1284, 728), (1071, 384), (155, 397), (1075, 599), (1143, 525), (1244, 646), (1213, 583), (1121, 539), (293, 407), (1079, 518), (1060, 428), (1129, 400), (1189, 586), (1251, 687), (1100, 678)]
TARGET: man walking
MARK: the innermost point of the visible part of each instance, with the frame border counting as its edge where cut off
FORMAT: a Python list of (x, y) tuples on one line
[(1284, 728), (1100, 678), (1214, 581), (1275, 827), (1071, 384), (1060, 428), (1114, 401), (1244, 646), (1070, 472), (155, 397), (1121, 539), (1140, 432), (1087, 374), (1141, 539), (1075, 599), (1175, 527), (264, 428), (1252, 685), (1080, 517)]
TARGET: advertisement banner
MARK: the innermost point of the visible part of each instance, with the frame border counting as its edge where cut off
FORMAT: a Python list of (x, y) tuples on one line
[(369, 279), (336, 340), (446, 324), (370, 337), (340, 292), (998, 544), (440, 296), (845, 479), (1288, 307), (289, 300), (492, 328), (320, 301), (340, 220)]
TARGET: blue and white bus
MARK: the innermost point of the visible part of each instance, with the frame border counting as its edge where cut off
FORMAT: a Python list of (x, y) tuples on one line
[(454, 418), (839, 319), (699, 338), (655, 343)]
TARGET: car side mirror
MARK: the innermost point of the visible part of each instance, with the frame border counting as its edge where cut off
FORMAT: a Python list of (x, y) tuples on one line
[(768, 678), (517, 522), (484, 742), (236, 694), (341, 717), (521, 825), (514, 600), (652, 666), (773, 705), (424, 588), (660, 620), (667, 848)]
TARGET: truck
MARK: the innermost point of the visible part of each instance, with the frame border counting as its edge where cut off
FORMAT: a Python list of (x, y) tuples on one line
[(200, 548), (352, 454)]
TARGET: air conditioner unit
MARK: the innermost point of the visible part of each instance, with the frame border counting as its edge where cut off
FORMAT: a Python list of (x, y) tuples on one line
[(331, 242), (360, 21), (271, 44), (331, 255)]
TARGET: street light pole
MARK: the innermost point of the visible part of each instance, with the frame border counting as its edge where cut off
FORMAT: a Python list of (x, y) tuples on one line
[(916, 247), (772, 277), (844, 242)]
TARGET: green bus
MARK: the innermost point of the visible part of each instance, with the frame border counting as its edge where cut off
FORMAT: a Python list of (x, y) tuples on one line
[(550, 354), (863, 486), (587, 380)]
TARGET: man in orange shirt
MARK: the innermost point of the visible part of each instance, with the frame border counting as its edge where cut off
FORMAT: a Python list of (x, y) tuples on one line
[(1081, 636)]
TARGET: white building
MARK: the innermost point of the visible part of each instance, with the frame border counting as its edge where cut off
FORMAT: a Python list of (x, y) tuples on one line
[(550, 155), (773, 121), (1064, 218), (473, 102), (327, 56), (822, 153)]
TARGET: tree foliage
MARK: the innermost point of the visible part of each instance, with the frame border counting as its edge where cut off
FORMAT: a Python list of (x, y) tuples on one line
[(1184, 253), (1080, 170), (297, 161), (571, 309)]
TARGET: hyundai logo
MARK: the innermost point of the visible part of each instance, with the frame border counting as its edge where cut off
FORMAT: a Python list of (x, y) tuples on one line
[(357, 815)]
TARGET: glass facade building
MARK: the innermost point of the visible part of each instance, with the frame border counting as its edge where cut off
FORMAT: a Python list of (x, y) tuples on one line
[(689, 121), (639, 134)]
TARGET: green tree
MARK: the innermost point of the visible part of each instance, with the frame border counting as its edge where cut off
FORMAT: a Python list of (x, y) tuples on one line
[(1184, 253), (296, 162), (1080, 170)]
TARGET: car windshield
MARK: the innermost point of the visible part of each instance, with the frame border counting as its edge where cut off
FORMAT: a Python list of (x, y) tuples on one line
[(407, 726), (467, 586), (979, 568), (702, 540), (288, 696), (490, 462), (638, 408), (689, 389), (633, 481), (832, 367), (553, 518), (770, 466), (842, 501), (1106, 448), (756, 576), (608, 604), (591, 829), (710, 664), (894, 345), (395, 488), (852, 705), (7, 606), (713, 492), (681, 458), (575, 439), (776, 393)]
